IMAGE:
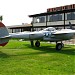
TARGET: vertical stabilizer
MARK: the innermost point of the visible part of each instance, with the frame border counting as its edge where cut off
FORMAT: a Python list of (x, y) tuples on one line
[(3, 33), (70, 25)]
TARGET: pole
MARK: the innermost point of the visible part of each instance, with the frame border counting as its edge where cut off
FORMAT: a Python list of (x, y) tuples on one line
[(64, 20), (46, 20), (32, 42)]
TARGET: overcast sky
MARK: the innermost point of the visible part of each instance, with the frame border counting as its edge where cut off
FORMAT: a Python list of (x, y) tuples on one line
[(15, 12)]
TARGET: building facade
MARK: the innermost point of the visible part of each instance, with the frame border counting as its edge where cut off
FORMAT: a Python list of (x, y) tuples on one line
[(19, 28), (58, 17)]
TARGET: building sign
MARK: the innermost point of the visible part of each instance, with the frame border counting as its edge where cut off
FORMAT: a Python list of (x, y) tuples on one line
[(61, 8)]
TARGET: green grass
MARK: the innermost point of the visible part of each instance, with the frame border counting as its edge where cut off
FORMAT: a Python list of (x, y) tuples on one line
[(19, 58)]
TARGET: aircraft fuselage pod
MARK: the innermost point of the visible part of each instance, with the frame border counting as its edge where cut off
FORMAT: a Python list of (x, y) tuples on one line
[(47, 34)]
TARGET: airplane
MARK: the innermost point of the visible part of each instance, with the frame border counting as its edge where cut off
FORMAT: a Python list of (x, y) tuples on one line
[(47, 34)]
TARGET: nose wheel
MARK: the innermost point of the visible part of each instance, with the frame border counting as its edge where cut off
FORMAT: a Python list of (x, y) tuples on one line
[(59, 46)]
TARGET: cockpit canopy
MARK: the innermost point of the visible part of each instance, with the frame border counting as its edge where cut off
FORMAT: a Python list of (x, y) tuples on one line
[(49, 29)]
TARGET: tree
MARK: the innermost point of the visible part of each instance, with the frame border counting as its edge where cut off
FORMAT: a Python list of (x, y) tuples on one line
[(1, 18)]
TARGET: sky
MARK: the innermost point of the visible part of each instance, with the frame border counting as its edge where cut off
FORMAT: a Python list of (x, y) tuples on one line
[(15, 12)]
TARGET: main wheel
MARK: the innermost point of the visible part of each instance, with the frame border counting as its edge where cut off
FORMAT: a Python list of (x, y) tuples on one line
[(37, 43), (58, 46)]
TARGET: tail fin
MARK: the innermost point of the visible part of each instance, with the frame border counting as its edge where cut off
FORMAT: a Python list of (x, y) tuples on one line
[(70, 25), (3, 33)]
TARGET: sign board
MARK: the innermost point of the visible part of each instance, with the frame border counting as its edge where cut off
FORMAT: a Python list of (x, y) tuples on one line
[(61, 8)]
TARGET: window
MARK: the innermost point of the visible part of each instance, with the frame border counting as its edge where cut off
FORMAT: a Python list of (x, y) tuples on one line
[(71, 16), (56, 17), (50, 18), (42, 19), (59, 17)]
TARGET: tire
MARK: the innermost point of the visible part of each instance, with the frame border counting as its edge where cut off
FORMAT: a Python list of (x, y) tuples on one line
[(37, 43), (59, 46)]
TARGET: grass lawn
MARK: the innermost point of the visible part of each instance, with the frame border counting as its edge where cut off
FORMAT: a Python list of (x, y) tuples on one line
[(19, 58)]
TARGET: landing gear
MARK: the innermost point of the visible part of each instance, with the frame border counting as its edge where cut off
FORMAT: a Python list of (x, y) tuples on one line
[(32, 43), (37, 43), (59, 46)]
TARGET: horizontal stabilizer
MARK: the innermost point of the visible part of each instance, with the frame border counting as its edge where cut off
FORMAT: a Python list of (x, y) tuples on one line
[(5, 37)]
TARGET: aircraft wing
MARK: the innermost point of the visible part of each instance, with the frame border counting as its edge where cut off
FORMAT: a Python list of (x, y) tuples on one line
[(64, 31), (64, 34)]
